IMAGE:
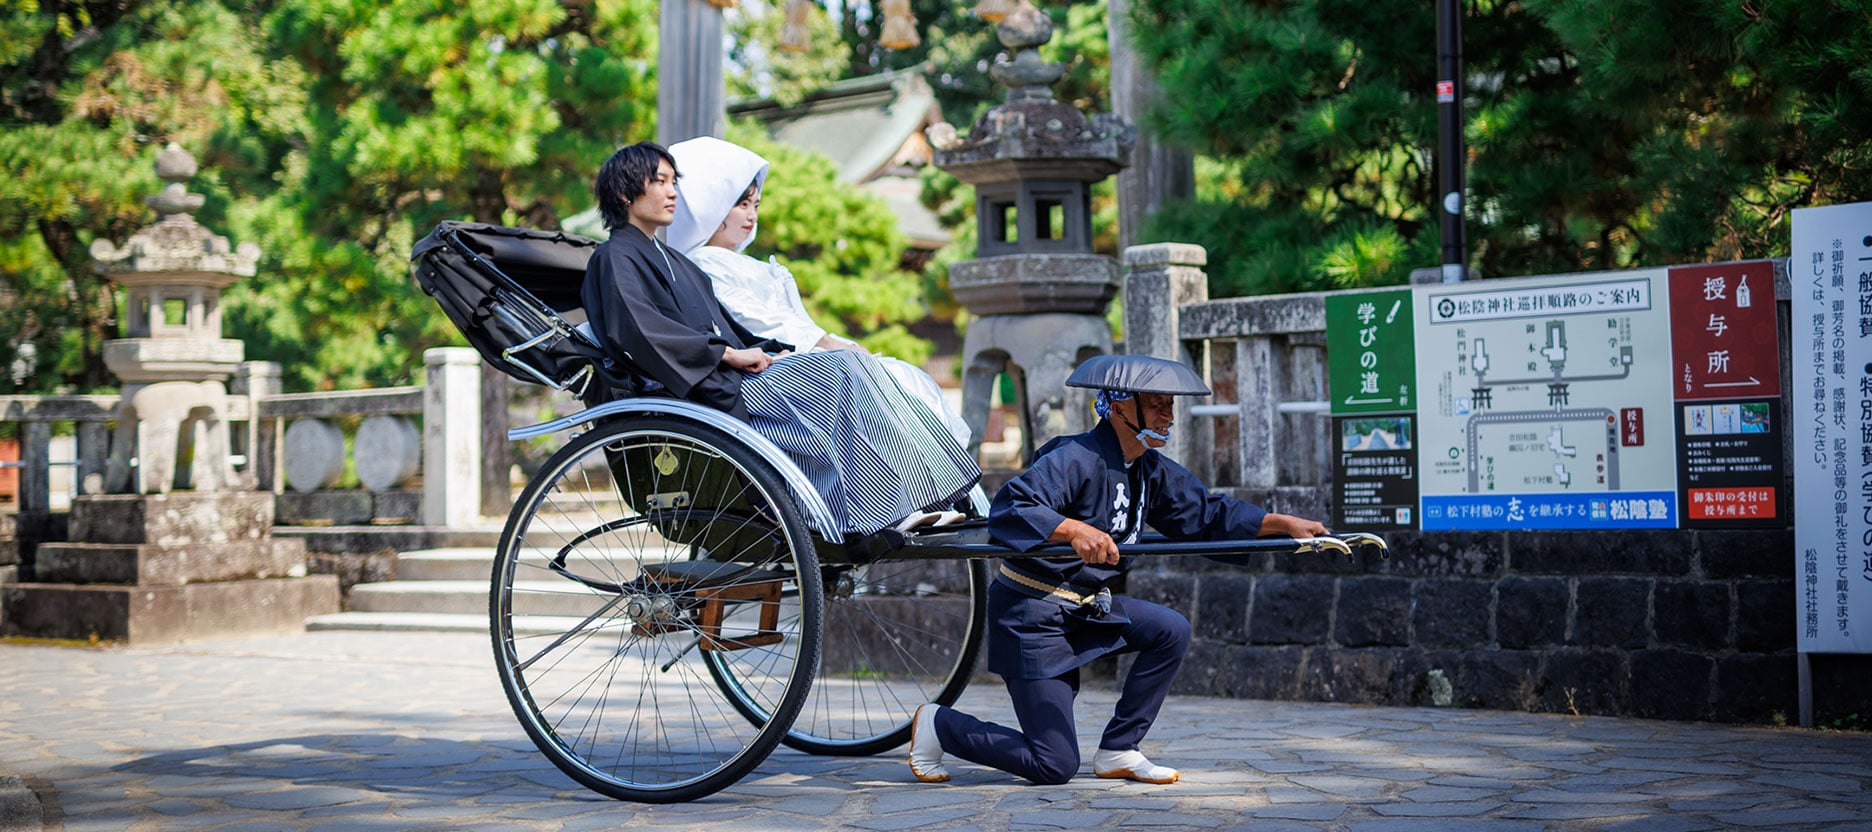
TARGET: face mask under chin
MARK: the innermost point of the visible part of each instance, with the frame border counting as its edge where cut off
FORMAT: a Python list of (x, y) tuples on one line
[(1147, 433)]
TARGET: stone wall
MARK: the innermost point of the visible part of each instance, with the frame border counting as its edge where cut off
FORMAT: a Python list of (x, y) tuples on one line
[(1666, 624)]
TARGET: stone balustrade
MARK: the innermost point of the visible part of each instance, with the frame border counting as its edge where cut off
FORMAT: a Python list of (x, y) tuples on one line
[(291, 444)]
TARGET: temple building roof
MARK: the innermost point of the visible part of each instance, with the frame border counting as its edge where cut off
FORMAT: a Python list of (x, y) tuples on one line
[(872, 128)]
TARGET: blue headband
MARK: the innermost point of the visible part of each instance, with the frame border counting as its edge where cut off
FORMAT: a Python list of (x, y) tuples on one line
[(1103, 404)]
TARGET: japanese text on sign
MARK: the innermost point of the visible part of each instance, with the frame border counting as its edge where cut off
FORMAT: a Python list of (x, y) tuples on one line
[(1612, 296)]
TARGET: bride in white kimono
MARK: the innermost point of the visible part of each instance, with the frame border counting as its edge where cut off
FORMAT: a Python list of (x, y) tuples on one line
[(715, 222)]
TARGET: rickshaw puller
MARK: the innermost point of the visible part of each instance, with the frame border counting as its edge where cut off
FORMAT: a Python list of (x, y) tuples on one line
[(1049, 616)]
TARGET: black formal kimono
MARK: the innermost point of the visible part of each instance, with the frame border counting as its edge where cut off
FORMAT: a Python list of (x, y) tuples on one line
[(1084, 477), (659, 311)]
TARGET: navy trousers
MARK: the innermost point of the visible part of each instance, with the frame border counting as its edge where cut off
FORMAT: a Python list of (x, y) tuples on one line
[(1046, 748)]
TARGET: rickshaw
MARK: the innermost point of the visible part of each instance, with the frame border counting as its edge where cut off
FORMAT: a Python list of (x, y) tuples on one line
[(668, 604)]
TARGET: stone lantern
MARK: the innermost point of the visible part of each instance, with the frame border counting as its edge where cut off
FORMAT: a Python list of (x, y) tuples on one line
[(152, 566), (172, 358), (1037, 290)]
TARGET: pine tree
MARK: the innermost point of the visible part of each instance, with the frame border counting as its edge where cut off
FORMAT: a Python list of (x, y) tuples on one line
[(1601, 134), (89, 91)]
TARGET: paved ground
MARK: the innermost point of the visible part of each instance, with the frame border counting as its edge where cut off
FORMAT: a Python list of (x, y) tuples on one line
[(398, 731)]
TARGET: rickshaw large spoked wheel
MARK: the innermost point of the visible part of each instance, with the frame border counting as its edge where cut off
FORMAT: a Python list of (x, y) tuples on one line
[(896, 634), (643, 557)]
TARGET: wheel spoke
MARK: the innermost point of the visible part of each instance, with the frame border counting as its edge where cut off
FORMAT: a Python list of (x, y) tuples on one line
[(608, 650)]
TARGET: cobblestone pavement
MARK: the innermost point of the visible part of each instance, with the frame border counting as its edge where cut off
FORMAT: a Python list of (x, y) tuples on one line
[(399, 731)]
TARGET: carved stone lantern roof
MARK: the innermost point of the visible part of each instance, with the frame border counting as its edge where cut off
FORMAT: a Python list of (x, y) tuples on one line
[(176, 250), (1032, 135), (1032, 160), (173, 272)]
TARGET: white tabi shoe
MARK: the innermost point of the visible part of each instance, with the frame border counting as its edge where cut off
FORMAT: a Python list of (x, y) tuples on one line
[(1131, 765), (926, 751)]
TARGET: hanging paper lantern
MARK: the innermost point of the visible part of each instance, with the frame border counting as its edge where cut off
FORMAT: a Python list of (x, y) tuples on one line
[(993, 10), (795, 35), (899, 25)]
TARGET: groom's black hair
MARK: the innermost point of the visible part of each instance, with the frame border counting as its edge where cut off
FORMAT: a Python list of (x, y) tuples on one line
[(622, 177)]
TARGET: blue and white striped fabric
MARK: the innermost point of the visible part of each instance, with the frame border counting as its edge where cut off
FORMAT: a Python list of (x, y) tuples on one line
[(875, 452)]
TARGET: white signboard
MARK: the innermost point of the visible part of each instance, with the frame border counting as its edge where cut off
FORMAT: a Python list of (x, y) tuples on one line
[(1534, 393), (1830, 269)]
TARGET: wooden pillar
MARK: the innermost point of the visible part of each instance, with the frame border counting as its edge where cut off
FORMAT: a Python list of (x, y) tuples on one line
[(689, 72), (1158, 173)]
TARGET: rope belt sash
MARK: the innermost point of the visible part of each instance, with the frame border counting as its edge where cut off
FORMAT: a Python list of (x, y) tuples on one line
[(1099, 601)]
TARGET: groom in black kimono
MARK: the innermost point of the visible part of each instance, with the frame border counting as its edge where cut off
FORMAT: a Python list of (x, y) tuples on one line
[(1049, 616), (652, 305)]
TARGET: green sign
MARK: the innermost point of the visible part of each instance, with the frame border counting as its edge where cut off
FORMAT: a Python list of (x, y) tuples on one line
[(1371, 352)]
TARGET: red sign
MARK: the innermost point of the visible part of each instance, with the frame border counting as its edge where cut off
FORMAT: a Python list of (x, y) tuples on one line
[(1723, 341), (1731, 503), (1631, 426), (1445, 91)]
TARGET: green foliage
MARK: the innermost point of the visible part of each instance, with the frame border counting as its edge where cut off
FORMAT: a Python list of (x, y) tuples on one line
[(1079, 42), (842, 246), (496, 111), (954, 205), (330, 132), (88, 93), (957, 49), (1601, 134), (758, 67)]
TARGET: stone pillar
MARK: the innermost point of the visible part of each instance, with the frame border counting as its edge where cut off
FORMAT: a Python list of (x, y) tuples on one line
[(497, 457), (452, 437), (689, 72), (1159, 279), (35, 467), (257, 381), (1258, 394), (1158, 173)]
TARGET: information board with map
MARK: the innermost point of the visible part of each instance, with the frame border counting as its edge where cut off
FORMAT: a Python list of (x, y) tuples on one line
[(1636, 399), (1536, 404)]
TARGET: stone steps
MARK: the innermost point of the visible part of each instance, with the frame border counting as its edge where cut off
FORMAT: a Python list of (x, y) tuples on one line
[(165, 568), (407, 622), (446, 590), (145, 564)]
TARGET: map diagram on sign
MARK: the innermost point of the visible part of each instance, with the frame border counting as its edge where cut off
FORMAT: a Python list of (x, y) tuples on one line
[(1539, 394)]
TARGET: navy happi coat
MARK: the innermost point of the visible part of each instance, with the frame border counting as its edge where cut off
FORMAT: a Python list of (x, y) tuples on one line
[(1084, 477)]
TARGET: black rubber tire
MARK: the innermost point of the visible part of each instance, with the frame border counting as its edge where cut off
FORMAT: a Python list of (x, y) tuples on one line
[(594, 694)]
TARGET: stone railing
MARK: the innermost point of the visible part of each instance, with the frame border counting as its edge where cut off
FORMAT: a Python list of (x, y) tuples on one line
[(39, 454), (291, 443), (28, 514), (1675, 624), (299, 447)]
